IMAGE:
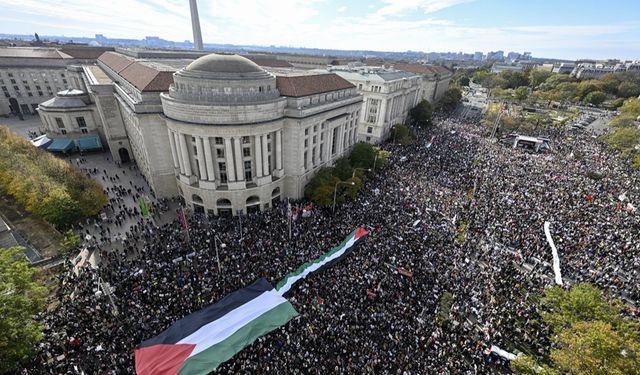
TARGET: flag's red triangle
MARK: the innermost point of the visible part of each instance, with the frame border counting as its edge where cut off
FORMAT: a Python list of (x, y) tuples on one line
[(360, 232), (162, 359)]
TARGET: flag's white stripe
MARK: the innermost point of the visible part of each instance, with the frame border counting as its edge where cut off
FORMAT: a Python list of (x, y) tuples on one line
[(556, 259), (314, 267), (220, 329)]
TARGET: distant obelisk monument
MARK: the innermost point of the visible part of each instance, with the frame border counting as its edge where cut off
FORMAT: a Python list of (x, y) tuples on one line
[(195, 23)]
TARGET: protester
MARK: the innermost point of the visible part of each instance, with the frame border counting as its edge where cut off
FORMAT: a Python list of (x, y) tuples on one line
[(462, 215)]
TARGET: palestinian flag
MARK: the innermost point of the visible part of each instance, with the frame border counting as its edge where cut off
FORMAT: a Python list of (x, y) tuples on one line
[(200, 342), (326, 259)]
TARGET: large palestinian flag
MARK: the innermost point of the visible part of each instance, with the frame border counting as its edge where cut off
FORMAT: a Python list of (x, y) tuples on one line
[(325, 260), (198, 343)]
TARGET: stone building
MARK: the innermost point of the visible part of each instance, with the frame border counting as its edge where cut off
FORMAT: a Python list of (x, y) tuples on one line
[(435, 79), (31, 75), (388, 97), (222, 132)]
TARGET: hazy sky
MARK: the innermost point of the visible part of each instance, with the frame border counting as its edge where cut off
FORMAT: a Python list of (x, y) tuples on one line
[(548, 28)]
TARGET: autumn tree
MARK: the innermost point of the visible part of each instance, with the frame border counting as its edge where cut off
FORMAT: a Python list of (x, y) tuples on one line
[(21, 297)]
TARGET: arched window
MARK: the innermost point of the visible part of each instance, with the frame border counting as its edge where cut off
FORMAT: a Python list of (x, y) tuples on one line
[(196, 198), (223, 202), (254, 199), (275, 192)]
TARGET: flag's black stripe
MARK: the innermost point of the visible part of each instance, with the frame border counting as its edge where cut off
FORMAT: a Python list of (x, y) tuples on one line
[(191, 323)]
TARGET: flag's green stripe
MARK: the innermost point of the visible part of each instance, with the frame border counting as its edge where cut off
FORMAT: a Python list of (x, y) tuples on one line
[(209, 359), (321, 259)]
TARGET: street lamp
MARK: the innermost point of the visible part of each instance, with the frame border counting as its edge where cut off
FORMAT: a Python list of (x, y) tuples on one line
[(359, 169), (216, 239), (335, 191)]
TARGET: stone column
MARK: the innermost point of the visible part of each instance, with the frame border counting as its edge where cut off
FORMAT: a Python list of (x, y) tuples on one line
[(174, 152), (339, 139), (257, 145), (202, 165), (265, 156), (238, 159), (228, 155), (176, 141), (209, 159), (185, 155), (279, 150)]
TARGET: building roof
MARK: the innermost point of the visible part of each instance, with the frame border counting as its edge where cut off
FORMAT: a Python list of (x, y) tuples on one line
[(304, 85), (421, 69), (217, 63), (140, 75), (269, 62), (70, 52), (63, 102)]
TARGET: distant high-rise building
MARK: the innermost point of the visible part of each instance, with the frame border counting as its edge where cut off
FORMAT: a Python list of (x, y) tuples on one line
[(478, 56), (195, 23)]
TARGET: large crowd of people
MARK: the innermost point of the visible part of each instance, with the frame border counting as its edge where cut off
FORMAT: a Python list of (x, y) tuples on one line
[(460, 214)]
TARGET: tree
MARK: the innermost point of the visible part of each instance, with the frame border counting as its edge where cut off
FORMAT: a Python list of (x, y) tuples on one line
[(420, 115), (538, 77), (480, 76), (526, 365), (521, 93), (362, 155), (59, 208), (70, 240), (596, 98), (591, 334), (623, 139), (609, 83), (21, 297), (596, 348), (463, 81), (514, 78), (342, 169), (450, 99), (586, 87), (628, 89), (401, 134)]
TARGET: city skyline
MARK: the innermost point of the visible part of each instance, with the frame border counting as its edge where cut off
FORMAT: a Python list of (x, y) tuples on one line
[(566, 30)]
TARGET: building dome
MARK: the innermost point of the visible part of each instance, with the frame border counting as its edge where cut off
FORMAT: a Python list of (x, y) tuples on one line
[(216, 63)]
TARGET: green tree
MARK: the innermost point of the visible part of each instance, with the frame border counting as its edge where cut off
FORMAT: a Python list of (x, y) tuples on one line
[(342, 169), (526, 365), (586, 87), (480, 76), (514, 78), (401, 134), (596, 348), (450, 99), (59, 208), (610, 83), (595, 97), (463, 81), (592, 334), (420, 115), (21, 297), (362, 155), (521, 93), (623, 139), (70, 240), (538, 77), (628, 89)]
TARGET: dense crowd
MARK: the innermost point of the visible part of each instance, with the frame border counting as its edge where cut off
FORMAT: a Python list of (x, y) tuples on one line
[(464, 215)]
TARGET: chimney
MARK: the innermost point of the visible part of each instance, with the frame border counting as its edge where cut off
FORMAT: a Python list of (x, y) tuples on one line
[(195, 24)]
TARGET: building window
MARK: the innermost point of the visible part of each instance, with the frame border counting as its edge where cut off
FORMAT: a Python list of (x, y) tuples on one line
[(220, 152), (219, 141), (370, 130), (246, 140), (40, 93), (306, 142), (84, 131), (315, 128), (333, 143), (81, 122), (306, 131), (313, 157), (368, 139), (29, 93), (246, 151), (13, 81), (315, 139), (305, 161), (63, 131), (60, 123)]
